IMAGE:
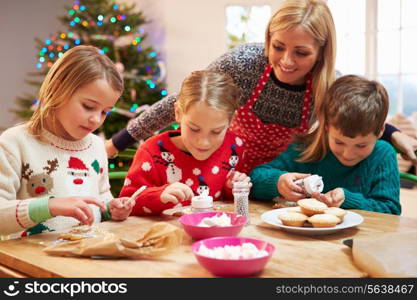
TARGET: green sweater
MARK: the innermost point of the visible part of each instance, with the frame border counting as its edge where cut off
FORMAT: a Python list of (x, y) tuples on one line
[(373, 184)]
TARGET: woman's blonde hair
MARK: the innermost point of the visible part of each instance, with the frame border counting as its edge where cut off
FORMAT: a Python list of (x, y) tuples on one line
[(216, 89), (79, 66), (315, 17), (353, 105)]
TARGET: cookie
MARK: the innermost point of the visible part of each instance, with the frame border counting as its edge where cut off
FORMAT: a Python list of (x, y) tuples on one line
[(294, 209), (323, 220), (338, 212), (71, 237), (292, 219), (311, 206)]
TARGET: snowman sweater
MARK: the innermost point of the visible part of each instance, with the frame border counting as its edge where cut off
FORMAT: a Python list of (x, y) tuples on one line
[(158, 163), (32, 171)]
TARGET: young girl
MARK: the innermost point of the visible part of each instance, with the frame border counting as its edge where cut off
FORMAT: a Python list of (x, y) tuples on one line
[(202, 156), (53, 172), (358, 170)]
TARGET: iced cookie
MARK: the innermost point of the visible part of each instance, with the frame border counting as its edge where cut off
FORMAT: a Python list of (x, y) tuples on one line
[(336, 211), (294, 209), (312, 206), (292, 219), (323, 220)]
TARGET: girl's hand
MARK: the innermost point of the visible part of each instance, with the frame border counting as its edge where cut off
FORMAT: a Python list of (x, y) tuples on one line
[(120, 208), (333, 198), (76, 207), (406, 145), (237, 177), (176, 192), (110, 148), (288, 189)]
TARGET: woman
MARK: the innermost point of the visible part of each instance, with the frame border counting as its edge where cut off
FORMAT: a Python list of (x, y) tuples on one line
[(282, 84)]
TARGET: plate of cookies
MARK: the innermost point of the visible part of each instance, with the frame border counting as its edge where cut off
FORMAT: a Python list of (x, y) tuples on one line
[(312, 217)]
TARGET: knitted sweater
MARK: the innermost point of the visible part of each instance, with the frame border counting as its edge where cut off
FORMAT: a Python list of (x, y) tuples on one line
[(32, 171), (158, 163), (372, 184)]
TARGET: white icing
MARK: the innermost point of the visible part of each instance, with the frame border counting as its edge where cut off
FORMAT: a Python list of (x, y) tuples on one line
[(244, 251), (216, 220)]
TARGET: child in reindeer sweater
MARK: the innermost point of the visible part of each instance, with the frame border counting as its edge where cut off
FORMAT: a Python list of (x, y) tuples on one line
[(53, 171)]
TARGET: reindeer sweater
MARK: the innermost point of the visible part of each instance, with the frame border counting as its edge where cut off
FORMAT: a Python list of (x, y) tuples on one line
[(32, 171), (158, 163)]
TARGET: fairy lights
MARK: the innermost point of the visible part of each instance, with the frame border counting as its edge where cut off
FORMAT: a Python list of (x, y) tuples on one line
[(79, 17)]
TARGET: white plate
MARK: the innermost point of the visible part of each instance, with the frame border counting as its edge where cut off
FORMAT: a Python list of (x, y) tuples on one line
[(351, 219)]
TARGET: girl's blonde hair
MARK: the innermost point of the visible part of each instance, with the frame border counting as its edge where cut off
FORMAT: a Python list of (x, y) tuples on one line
[(353, 105), (216, 89), (79, 66), (315, 17)]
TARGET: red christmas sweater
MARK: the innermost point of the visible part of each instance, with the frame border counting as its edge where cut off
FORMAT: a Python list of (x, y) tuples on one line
[(158, 163)]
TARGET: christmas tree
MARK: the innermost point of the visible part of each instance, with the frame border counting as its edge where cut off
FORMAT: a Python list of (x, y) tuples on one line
[(115, 29)]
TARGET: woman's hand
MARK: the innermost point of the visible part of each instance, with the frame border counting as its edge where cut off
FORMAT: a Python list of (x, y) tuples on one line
[(288, 189), (176, 192), (76, 207), (120, 208), (406, 145)]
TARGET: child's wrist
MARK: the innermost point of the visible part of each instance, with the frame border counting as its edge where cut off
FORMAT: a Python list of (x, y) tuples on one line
[(39, 209)]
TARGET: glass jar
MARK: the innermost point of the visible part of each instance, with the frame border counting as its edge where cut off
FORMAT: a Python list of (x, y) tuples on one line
[(202, 203), (241, 192)]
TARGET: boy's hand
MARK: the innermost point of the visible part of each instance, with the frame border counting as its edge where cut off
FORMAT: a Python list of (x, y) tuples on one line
[(176, 192), (288, 189), (237, 177), (76, 207), (120, 208), (333, 198)]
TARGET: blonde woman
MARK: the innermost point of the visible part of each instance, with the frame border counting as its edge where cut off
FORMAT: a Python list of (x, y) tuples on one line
[(282, 84), (53, 172), (202, 157)]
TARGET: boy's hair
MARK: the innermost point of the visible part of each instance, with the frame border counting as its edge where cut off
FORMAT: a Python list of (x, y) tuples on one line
[(355, 106), (79, 66), (216, 89), (315, 17)]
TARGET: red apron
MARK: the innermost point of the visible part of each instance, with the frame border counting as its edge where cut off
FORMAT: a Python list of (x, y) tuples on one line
[(265, 141)]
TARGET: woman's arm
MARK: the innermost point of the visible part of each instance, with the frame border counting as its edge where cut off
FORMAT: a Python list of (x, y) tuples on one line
[(405, 144), (157, 117)]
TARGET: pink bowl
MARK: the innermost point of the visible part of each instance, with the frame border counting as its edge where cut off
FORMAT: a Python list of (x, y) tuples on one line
[(231, 267), (190, 222)]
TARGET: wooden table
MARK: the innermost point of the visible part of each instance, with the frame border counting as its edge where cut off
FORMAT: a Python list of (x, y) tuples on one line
[(295, 255)]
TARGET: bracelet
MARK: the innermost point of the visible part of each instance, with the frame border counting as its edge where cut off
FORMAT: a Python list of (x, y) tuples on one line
[(107, 213)]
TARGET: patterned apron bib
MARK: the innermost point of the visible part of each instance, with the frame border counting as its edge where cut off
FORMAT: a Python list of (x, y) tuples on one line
[(265, 141)]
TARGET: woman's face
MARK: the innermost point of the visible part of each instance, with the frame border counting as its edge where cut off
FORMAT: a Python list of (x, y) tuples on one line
[(293, 53)]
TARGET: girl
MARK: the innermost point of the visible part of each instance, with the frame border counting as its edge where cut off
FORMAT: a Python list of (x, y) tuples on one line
[(53, 173), (282, 83), (201, 157), (358, 170)]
